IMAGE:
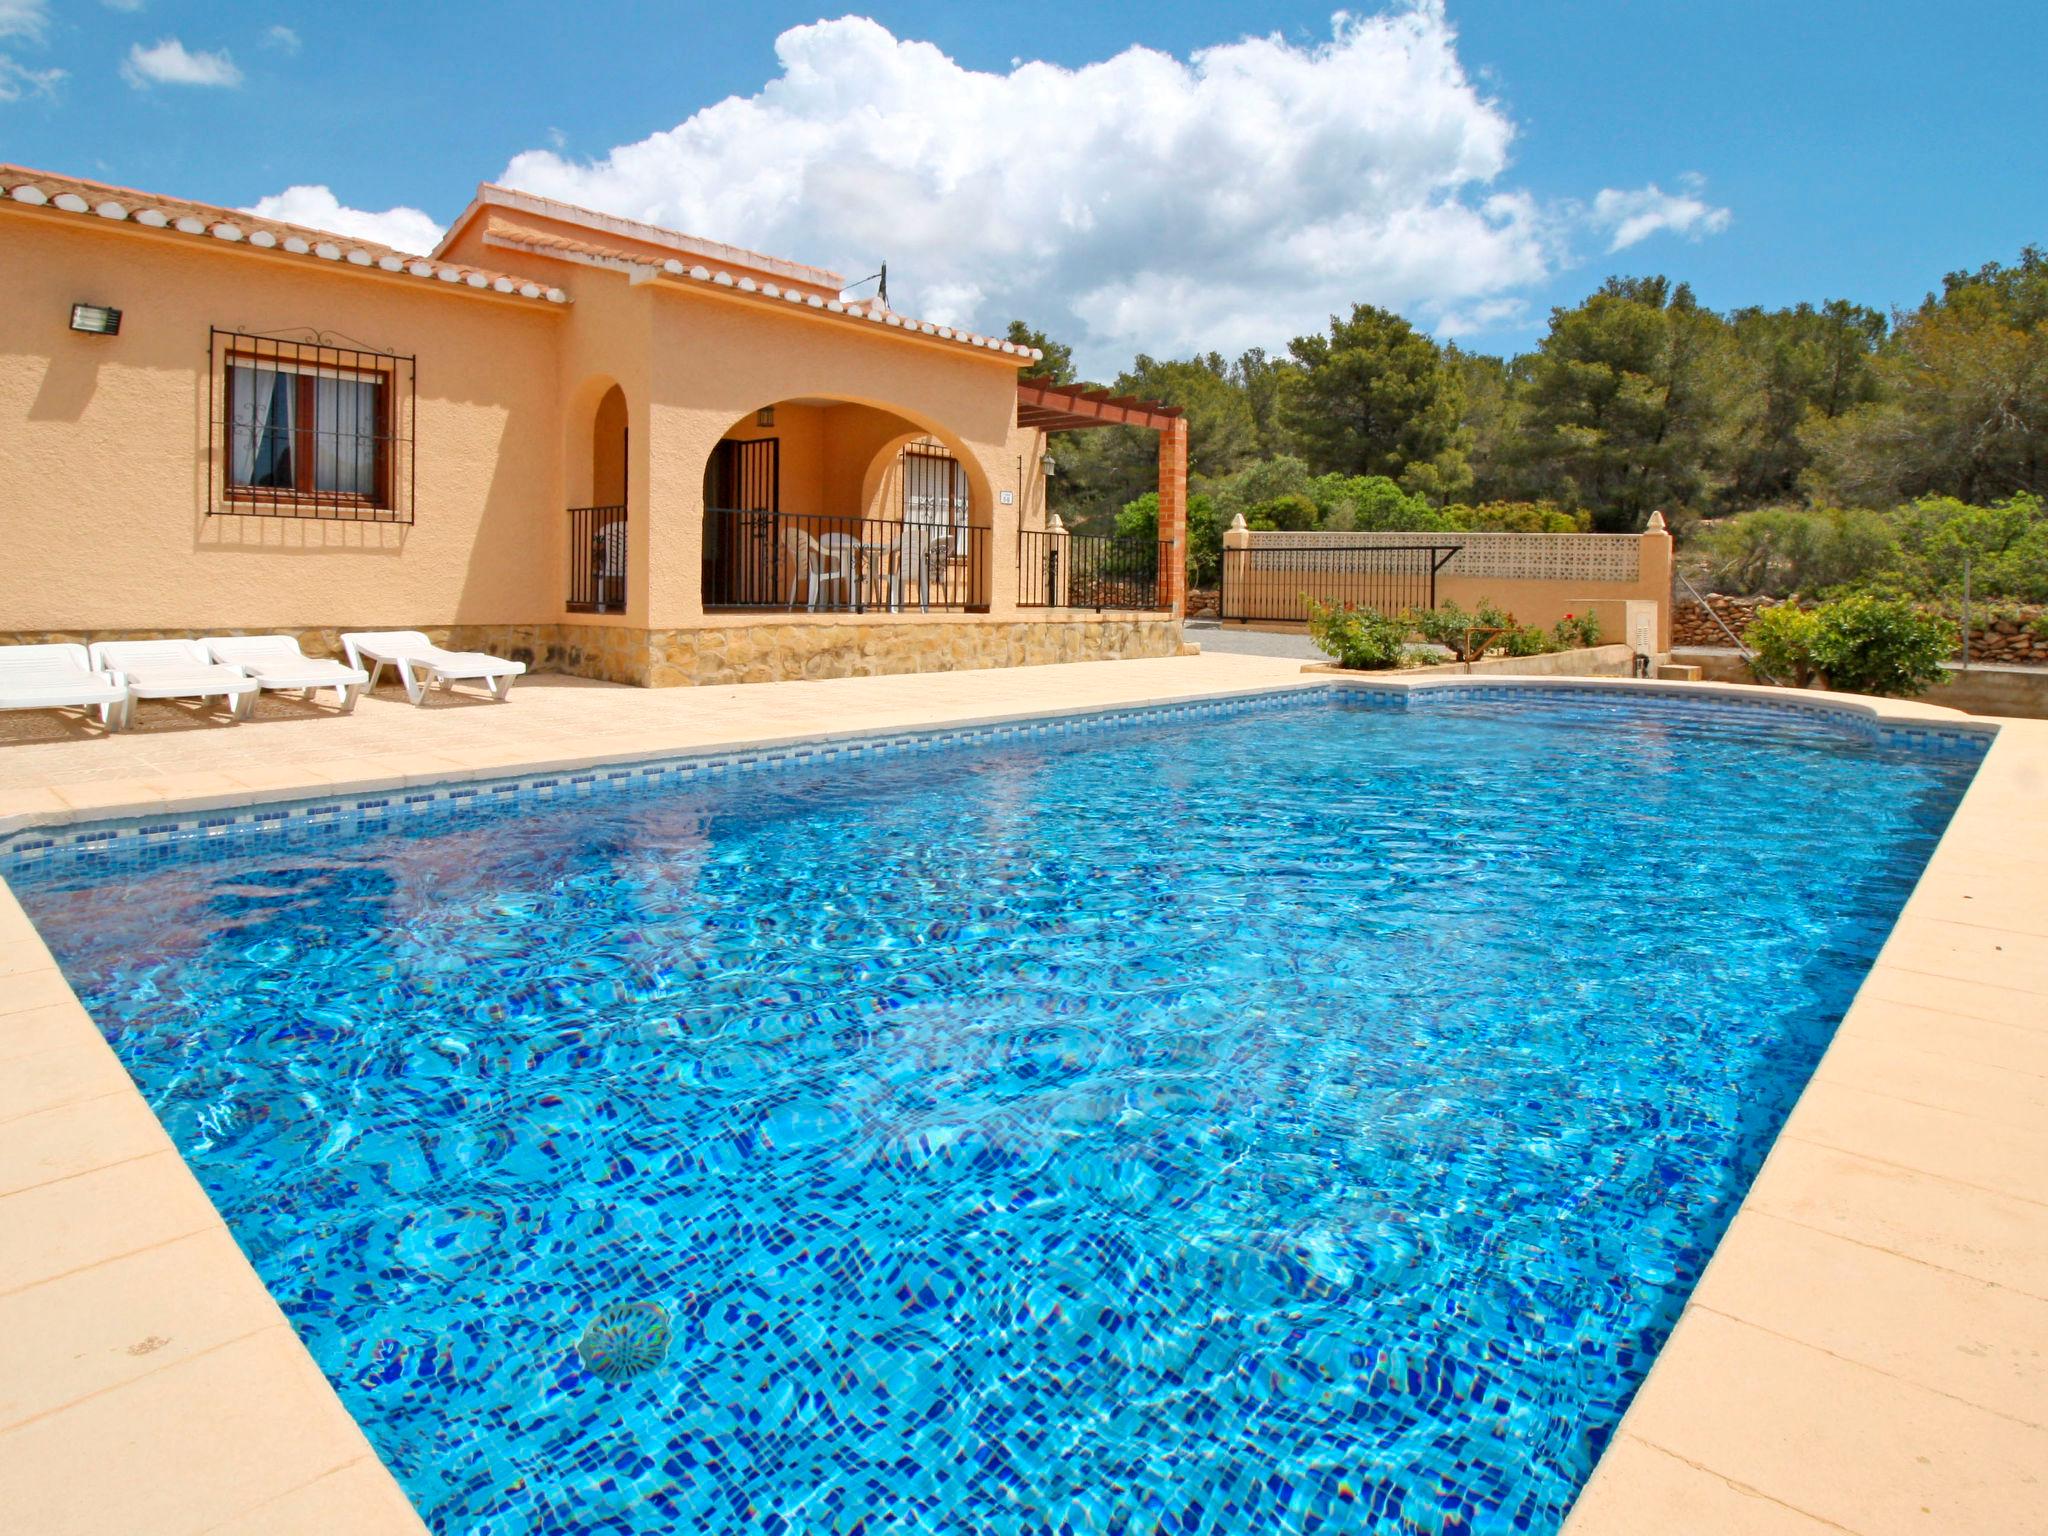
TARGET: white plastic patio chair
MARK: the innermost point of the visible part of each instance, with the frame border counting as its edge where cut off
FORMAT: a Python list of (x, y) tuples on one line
[(419, 662), (61, 677), (924, 551), (177, 669), (823, 562), (276, 661)]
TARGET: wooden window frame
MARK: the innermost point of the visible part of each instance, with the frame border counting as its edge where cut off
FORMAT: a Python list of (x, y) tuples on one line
[(304, 392)]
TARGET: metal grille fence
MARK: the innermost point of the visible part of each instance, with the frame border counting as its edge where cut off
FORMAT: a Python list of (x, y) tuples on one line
[(1077, 570), (309, 429), (1277, 584), (761, 559), (597, 559)]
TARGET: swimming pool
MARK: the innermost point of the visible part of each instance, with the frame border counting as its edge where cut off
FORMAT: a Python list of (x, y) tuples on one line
[(1306, 1111)]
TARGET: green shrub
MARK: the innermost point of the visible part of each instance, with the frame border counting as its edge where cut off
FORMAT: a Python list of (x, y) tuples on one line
[(1782, 638), (1468, 636), (1361, 638), (1449, 626), (1879, 645), (1517, 517)]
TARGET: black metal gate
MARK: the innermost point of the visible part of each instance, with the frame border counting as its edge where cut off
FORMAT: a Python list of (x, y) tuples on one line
[(742, 495)]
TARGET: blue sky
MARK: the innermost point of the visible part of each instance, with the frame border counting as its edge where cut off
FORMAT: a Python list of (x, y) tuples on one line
[(1469, 164)]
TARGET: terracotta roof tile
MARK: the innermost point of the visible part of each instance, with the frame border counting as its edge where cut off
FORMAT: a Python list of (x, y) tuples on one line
[(94, 199), (519, 237)]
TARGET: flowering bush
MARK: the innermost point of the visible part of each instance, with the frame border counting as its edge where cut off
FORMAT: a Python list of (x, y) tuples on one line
[(1575, 630)]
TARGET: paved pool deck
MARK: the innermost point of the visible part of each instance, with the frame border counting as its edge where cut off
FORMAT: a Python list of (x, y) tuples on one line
[(1867, 1352)]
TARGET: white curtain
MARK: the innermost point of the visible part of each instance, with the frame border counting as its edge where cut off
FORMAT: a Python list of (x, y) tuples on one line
[(262, 437), (345, 436)]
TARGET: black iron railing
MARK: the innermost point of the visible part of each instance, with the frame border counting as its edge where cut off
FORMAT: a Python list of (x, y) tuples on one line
[(842, 564), (597, 560), (1081, 570), (1276, 583)]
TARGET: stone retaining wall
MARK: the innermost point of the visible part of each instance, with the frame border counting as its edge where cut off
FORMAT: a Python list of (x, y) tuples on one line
[(2019, 693), (756, 653), (2011, 640), (1581, 661)]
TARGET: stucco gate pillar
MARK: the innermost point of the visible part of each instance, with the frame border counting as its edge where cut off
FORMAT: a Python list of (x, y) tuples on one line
[(1173, 514)]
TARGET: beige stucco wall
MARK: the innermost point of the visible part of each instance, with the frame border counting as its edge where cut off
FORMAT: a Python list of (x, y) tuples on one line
[(1532, 599), (103, 443)]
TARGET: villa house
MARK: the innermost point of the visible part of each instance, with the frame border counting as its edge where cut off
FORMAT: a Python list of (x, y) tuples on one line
[(603, 447)]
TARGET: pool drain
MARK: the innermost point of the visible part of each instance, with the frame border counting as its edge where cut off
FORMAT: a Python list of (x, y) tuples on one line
[(626, 1339)]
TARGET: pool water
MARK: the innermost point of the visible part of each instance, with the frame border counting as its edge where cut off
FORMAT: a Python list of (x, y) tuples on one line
[(1308, 1119)]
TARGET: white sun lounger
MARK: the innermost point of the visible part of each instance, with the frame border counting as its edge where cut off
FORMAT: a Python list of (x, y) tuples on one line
[(420, 662), (61, 677), (177, 669), (276, 661)]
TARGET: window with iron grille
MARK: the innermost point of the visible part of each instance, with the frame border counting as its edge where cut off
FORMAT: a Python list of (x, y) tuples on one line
[(310, 429)]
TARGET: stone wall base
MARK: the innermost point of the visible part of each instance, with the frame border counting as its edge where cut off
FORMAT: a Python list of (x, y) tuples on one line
[(753, 653)]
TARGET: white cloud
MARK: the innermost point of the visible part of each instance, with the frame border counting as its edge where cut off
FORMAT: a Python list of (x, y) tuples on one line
[(1646, 211), (282, 38), (406, 229), (170, 62), (18, 80), (1237, 197), (1144, 202), (28, 19), (129, 6)]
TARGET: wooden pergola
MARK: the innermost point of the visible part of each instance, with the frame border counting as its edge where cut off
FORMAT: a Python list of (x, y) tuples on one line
[(1054, 407)]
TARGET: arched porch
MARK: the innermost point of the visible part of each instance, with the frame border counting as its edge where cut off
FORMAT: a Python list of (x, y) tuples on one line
[(839, 506)]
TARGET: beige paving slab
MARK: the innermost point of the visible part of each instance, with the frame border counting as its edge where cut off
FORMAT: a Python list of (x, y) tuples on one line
[(1967, 952), (65, 1073), (1867, 1305), (31, 1031), (359, 1499), (1956, 1037), (67, 1340), (553, 716), (1926, 1074), (254, 1413), (30, 990), (1839, 1441), (22, 952), (53, 1229), (1643, 1491), (1967, 1148), (1967, 996), (1937, 1221), (77, 1138), (1991, 892)]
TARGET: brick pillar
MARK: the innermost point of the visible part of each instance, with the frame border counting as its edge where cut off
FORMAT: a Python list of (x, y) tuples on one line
[(1173, 514)]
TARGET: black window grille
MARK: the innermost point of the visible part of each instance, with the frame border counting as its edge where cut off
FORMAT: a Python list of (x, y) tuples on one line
[(309, 429)]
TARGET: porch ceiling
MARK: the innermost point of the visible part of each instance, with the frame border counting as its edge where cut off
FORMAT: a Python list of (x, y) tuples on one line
[(1074, 407)]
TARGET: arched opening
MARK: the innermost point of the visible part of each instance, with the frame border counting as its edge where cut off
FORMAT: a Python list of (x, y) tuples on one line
[(829, 505), (598, 543), (608, 432)]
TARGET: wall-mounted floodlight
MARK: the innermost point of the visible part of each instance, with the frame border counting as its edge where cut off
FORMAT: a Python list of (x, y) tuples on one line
[(96, 319)]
